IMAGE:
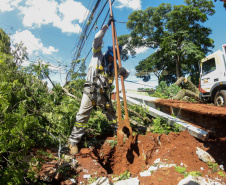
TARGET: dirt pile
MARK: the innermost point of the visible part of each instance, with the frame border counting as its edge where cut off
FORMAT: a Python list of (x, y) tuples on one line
[(162, 152)]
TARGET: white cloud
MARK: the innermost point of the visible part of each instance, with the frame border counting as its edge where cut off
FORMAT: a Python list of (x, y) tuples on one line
[(38, 12), (8, 5), (32, 43), (64, 16), (133, 4), (141, 50)]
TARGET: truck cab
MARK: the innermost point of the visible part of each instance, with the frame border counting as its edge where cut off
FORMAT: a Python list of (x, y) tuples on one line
[(212, 85)]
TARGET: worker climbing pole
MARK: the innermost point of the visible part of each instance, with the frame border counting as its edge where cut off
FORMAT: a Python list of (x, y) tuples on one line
[(123, 125)]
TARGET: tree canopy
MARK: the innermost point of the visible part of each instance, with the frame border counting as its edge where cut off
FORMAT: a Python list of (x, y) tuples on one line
[(178, 34)]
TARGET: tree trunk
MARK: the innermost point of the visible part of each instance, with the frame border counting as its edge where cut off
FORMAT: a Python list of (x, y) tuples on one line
[(179, 81), (178, 67), (185, 92), (190, 85)]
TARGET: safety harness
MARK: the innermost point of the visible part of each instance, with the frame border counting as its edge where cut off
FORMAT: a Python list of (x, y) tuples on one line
[(94, 88)]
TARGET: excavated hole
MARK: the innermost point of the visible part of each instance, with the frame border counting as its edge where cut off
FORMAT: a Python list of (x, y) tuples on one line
[(109, 158), (106, 161)]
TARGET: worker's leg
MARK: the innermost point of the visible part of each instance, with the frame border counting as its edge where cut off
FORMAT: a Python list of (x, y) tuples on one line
[(82, 119)]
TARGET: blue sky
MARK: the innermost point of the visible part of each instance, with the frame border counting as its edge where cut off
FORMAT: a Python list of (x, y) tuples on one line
[(50, 29)]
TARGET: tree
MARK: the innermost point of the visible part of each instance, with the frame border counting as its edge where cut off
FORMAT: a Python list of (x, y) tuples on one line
[(29, 111), (4, 42), (176, 31)]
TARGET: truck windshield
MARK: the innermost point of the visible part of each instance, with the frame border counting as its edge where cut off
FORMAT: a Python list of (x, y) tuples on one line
[(208, 66)]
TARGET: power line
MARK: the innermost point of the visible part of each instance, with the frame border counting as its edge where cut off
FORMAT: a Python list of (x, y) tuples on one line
[(52, 60), (139, 83), (96, 21), (83, 38)]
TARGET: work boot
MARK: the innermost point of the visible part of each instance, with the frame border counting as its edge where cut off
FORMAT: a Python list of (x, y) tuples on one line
[(73, 149)]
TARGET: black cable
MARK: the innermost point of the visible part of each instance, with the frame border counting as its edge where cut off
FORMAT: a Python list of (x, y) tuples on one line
[(82, 40), (96, 21), (101, 25), (139, 83)]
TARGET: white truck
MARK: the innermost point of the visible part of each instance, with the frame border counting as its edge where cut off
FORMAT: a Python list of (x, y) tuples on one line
[(212, 83)]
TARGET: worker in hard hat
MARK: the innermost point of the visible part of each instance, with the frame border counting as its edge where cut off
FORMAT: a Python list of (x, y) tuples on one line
[(98, 82)]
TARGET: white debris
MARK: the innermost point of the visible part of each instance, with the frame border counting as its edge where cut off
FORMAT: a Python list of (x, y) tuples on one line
[(153, 168), (202, 168), (181, 164), (74, 163), (73, 180), (157, 161), (132, 181), (169, 165), (145, 173), (221, 167), (198, 180), (86, 176), (115, 179), (101, 181), (204, 156)]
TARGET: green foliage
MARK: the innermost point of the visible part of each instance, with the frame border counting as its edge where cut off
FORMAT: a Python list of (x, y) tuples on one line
[(112, 143), (143, 112), (165, 91), (180, 169), (194, 173), (213, 166), (221, 173), (4, 42), (65, 170), (98, 122), (29, 111), (125, 175), (92, 179), (160, 126)]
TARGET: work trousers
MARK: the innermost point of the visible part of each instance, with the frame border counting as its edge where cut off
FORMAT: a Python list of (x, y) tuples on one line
[(84, 113)]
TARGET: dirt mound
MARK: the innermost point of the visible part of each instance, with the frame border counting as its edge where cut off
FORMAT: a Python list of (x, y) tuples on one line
[(195, 107), (150, 150)]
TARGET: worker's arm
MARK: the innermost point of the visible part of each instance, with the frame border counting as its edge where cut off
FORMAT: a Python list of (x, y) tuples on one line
[(97, 42)]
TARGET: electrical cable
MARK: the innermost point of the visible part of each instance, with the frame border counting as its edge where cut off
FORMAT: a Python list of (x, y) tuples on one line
[(101, 26), (82, 37), (139, 83)]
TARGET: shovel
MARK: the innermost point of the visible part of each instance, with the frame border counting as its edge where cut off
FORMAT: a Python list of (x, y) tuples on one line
[(123, 125)]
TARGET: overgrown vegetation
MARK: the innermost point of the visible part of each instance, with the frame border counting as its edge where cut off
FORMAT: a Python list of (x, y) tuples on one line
[(32, 115), (165, 91), (29, 112), (160, 126)]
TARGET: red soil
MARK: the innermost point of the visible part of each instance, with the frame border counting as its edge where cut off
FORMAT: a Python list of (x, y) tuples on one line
[(145, 149)]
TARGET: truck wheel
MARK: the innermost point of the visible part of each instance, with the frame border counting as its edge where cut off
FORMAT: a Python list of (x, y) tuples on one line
[(220, 98)]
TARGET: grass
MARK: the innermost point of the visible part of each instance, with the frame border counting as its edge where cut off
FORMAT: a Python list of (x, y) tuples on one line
[(112, 143)]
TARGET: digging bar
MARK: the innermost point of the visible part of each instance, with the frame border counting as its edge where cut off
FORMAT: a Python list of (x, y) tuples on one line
[(122, 124)]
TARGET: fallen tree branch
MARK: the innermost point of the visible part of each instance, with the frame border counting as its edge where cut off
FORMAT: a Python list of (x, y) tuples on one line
[(146, 119), (69, 94), (139, 126)]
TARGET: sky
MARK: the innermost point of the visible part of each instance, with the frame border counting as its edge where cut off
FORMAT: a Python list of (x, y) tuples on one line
[(50, 30)]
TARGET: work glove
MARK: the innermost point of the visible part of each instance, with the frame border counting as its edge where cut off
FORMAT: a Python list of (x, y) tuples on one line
[(122, 71), (111, 18)]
